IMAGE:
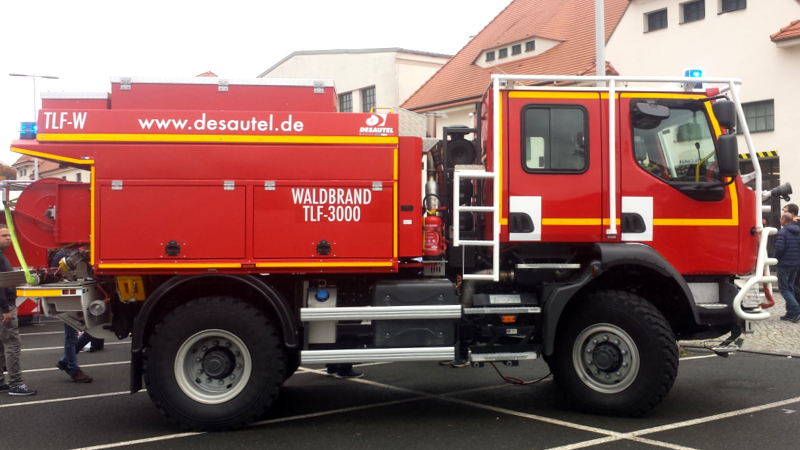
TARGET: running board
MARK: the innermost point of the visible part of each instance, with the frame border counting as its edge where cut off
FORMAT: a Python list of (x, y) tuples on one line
[(380, 313), (503, 310), (505, 356), (368, 355)]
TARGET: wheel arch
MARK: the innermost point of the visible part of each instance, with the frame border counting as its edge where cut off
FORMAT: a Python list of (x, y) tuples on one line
[(621, 266), (248, 288)]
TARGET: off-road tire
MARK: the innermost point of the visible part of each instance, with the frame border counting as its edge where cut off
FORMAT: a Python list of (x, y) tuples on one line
[(643, 338), (194, 330)]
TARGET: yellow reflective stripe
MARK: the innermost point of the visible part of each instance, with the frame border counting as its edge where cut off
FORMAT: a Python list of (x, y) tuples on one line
[(91, 220), (171, 266), (42, 292), (396, 164), (571, 221), (394, 221), (328, 264), (555, 95), (501, 219), (53, 157), (654, 95), (219, 138)]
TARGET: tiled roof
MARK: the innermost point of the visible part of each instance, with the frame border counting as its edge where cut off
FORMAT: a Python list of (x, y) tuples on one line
[(569, 21), (208, 74), (788, 32), (24, 159)]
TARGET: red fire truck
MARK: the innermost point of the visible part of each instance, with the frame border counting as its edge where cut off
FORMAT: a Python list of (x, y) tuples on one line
[(237, 229)]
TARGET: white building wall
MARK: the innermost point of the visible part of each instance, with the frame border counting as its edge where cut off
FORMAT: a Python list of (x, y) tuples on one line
[(395, 75), (735, 44)]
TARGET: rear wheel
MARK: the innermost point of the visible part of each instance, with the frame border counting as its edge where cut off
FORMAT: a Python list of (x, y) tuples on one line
[(615, 354), (214, 363)]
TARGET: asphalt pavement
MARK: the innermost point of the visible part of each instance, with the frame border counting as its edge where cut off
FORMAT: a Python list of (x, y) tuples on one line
[(743, 401)]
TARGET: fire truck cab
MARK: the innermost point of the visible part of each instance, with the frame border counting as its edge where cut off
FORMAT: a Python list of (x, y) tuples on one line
[(237, 229)]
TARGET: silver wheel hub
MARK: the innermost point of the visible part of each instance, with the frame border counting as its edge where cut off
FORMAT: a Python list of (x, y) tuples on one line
[(213, 366), (606, 358)]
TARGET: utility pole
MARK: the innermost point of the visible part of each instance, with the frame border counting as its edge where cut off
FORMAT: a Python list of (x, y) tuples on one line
[(35, 116)]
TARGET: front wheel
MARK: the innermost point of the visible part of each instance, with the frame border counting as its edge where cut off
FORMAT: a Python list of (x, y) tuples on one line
[(214, 363), (615, 354)]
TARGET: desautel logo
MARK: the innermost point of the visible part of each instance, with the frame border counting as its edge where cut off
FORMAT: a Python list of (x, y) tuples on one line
[(375, 125)]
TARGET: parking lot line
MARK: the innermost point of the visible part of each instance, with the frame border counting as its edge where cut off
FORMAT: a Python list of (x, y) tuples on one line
[(141, 441), (39, 349), (726, 415), (41, 333), (47, 369), (65, 399)]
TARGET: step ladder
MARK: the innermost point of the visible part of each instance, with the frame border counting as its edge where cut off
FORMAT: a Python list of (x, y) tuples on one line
[(477, 172)]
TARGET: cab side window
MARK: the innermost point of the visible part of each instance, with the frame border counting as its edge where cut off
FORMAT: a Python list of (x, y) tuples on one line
[(555, 139)]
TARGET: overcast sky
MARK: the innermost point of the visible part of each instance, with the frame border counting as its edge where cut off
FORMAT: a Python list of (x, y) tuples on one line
[(84, 43)]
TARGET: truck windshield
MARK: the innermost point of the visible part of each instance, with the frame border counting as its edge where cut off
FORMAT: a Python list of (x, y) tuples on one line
[(677, 148)]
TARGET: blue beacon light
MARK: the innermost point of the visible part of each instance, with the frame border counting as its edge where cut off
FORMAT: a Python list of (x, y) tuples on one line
[(693, 73), (27, 130)]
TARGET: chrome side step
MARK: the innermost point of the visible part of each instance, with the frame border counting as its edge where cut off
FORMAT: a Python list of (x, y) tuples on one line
[(365, 355), (380, 313), (550, 266), (505, 356), (504, 310)]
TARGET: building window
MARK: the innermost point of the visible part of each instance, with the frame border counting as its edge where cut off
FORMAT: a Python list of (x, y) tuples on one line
[(503, 53), (489, 56), (530, 46), (367, 99), (516, 49), (760, 116), (733, 5), (656, 20), (346, 102), (693, 11), (555, 139), (77, 177)]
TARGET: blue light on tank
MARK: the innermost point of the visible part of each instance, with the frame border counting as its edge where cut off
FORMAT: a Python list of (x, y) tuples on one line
[(693, 73), (27, 130), (323, 295)]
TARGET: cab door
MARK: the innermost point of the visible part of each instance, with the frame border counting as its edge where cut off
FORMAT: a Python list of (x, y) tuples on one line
[(554, 166), (672, 197)]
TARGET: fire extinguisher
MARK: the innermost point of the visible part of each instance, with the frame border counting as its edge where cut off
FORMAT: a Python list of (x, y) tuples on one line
[(433, 237)]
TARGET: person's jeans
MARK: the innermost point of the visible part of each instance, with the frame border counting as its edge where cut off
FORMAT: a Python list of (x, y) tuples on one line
[(73, 343), (786, 277)]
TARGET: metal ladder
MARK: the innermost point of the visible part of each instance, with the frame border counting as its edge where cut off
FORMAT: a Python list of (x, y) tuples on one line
[(472, 172)]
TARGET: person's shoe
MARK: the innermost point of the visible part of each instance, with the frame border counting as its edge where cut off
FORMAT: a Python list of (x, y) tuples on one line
[(4, 387), (446, 363), (796, 318), (459, 363), (62, 365), (788, 317), (349, 374), (80, 377), (21, 390)]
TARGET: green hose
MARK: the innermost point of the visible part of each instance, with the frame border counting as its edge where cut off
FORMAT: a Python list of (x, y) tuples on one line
[(28, 277)]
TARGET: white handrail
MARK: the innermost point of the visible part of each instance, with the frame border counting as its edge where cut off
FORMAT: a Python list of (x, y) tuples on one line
[(758, 277), (611, 232)]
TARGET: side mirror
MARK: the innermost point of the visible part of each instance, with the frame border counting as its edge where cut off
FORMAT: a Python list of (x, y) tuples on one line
[(728, 155), (653, 110), (725, 112)]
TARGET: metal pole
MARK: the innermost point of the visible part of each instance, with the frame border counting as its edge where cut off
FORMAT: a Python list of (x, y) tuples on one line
[(600, 40)]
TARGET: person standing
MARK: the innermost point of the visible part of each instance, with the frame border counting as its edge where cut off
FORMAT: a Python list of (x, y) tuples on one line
[(72, 343), (787, 251), (10, 343)]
